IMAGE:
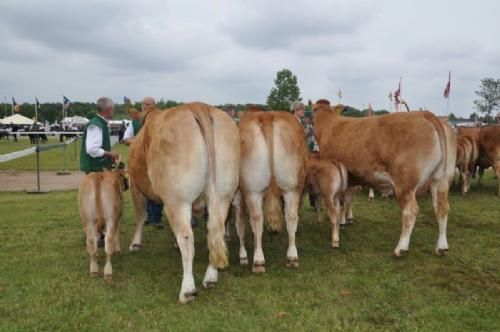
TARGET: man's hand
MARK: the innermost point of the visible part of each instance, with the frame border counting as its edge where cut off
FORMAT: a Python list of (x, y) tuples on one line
[(112, 155)]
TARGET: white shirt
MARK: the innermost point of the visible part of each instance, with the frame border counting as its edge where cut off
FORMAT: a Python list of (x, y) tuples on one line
[(129, 132), (94, 140)]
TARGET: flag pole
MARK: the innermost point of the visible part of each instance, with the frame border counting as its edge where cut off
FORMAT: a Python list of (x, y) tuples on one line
[(36, 110), (62, 112)]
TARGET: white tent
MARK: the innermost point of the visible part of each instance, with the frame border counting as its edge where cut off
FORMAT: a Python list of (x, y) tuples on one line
[(17, 119), (75, 120)]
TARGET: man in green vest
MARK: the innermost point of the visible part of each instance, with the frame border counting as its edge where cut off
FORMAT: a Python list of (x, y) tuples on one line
[(96, 154)]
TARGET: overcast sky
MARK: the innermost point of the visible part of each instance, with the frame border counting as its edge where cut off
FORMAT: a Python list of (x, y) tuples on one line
[(229, 51)]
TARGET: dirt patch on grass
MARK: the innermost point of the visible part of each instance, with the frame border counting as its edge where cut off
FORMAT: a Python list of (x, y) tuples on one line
[(24, 180)]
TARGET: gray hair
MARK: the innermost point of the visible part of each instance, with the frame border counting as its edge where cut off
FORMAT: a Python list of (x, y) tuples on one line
[(296, 105), (103, 103)]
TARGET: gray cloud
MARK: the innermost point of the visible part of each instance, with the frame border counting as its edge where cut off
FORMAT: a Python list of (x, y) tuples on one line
[(229, 51)]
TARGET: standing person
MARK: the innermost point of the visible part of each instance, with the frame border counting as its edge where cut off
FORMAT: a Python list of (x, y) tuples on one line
[(15, 129), (121, 132), (299, 111), (96, 154), (231, 111), (154, 210)]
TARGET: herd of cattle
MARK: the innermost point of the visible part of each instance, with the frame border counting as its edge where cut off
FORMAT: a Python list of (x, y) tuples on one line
[(193, 157)]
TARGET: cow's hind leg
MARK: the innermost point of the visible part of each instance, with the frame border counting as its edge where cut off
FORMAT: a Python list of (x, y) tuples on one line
[(140, 217), (439, 191), (90, 229), (496, 167), (409, 211), (334, 215), (179, 218), (292, 201), (109, 247), (254, 205), (240, 227), (317, 206)]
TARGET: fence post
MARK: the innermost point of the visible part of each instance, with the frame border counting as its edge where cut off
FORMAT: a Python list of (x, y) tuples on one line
[(74, 149), (64, 171), (38, 189)]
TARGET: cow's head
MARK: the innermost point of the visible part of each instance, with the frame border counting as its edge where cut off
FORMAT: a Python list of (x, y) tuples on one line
[(119, 169), (324, 105)]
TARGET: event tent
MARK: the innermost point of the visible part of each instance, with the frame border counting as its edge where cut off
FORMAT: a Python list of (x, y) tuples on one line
[(17, 119), (75, 120)]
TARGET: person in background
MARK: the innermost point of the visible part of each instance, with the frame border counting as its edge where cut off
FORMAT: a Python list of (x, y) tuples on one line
[(299, 111), (154, 210), (95, 153), (121, 132), (231, 111)]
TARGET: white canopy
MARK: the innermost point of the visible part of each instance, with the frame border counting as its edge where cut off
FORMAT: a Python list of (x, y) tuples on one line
[(17, 119), (75, 120)]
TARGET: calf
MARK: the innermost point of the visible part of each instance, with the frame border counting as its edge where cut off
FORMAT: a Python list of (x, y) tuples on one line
[(327, 178), (100, 201)]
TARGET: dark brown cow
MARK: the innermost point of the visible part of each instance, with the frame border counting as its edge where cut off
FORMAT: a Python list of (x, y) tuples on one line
[(489, 142)]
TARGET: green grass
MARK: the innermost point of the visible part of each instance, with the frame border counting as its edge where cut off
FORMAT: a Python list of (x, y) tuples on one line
[(51, 160), (45, 282)]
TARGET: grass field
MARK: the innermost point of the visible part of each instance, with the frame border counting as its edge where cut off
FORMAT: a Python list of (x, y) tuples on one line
[(45, 283), (51, 160)]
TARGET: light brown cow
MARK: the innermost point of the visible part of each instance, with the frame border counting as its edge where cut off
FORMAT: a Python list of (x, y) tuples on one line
[(273, 155), (473, 135), (328, 180), (181, 155), (489, 141), (405, 151), (100, 201), (465, 161)]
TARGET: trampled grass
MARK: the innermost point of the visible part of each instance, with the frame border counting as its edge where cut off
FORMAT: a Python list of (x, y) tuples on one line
[(52, 160), (45, 282)]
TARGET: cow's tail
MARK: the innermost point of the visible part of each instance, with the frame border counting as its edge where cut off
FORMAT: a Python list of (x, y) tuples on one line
[(215, 238), (343, 179), (100, 223), (438, 126), (272, 199)]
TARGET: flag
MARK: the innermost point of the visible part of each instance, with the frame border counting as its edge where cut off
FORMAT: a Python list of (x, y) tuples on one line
[(447, 90), (370, 109), (66, 103), (339, 94), (15, 106), (127, 100), (397, 93), (37, 103)]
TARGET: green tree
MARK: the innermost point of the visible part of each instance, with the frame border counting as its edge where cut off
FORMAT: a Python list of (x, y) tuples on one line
[(489, 93), (284, 92), (452, 117)]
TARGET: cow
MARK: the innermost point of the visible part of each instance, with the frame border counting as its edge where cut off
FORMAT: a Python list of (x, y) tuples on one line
[(489, 142), (473, 134), (408, 152), (464, 161), (273, 156), (328, 179), (100, 202), (182, 155)]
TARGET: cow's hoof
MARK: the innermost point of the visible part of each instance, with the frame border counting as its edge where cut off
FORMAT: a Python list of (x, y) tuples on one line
[(243, 261), (335, 244), (108, 277), (135, 247), (400, 253), (209, 284), (187, 297), (292, 263), (441, 251), (94, 274), (259, 267)]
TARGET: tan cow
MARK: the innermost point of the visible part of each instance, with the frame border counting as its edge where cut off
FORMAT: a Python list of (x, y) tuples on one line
[(328, 180), (100, 201), (473, 135), (465, 161), (405, 151), (273, 155), (489, 141), (180, 156)]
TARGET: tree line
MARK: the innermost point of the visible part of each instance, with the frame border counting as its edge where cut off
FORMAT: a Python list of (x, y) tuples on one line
[(285, 91)]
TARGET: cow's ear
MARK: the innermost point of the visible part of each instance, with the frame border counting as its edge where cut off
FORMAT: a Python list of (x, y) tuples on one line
[(339, 109)]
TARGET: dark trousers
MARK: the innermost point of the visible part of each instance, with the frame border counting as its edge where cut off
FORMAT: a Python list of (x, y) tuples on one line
[(155, 211)]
